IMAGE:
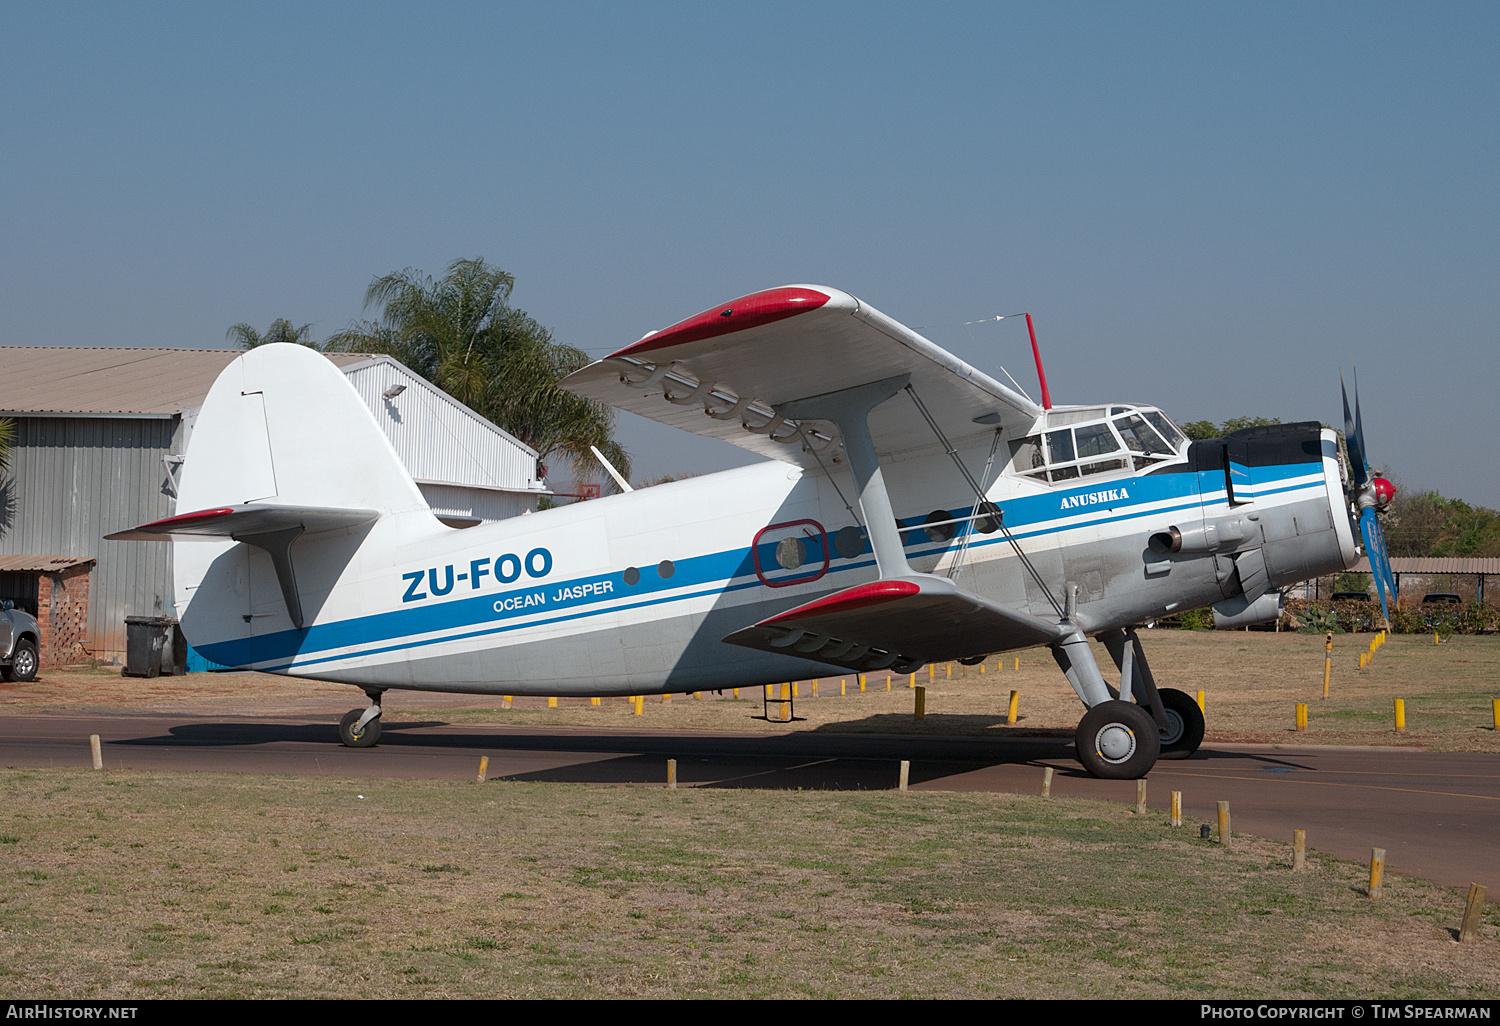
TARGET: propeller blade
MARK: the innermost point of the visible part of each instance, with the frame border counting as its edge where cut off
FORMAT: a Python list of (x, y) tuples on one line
[(1380, 563), (1354, 437)]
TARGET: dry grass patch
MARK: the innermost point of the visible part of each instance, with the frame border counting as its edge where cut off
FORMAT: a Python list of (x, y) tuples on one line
[(138, 885), (1252, 681)]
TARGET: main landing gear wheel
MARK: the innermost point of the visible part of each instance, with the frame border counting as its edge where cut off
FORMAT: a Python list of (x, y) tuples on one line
[(1117, 741), (1184, 731), (356, 737)]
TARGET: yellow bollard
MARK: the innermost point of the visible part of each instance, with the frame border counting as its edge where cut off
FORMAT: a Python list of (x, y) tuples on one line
[(640, 705), (96, 751), (950, 671), (1301, 715), (506, 700), (1299, 850), (1140, 796), (672, 773), (1224, 832), (594, 700), (815, 689), (912, 682), (1047, 782), (930, 670), (794, 690), (769, 693), (736, 692), (1495, 712), (919, 710), (552, 702), (981, 669), (666, 699), (905, 774), (1201, 707), (1015, 703), (1377, 872), (1401, 715), (1177, 808), (888, 682), (1327, 662), (1435, 637), (1018, 662), (861, 683), (787, 690), (484, 765), (843, 687)]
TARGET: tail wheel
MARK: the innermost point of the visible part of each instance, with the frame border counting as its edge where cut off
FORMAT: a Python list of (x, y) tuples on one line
[(1184, 731), (1117, 741), (355, 737)]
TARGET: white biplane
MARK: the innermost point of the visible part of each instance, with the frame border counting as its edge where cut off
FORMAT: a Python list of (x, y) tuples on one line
[(913, 510)]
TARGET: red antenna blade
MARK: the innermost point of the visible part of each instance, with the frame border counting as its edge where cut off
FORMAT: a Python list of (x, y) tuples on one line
[(1037, 353)]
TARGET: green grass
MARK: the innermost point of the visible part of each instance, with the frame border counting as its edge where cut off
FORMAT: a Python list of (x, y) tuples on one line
[(454, 889)]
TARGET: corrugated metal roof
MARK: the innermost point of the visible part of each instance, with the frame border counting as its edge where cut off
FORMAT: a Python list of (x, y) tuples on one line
[(98, 381), (42, 564), (1434, 565)]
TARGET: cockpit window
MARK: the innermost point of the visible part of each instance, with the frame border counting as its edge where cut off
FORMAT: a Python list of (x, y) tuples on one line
[(1096, 440), (1174, 437), (1140, 438)]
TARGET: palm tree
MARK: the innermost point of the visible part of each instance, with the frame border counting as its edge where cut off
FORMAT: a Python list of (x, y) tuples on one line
[(460, 333), (281, 330)]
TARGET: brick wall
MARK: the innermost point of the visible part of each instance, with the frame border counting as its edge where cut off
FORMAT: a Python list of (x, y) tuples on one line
[(63, 615)]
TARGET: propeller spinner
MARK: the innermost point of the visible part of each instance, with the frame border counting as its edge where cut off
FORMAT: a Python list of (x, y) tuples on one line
[(1369, 494)]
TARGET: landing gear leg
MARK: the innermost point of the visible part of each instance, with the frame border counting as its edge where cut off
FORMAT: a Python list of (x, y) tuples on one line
[(360, 728), (1116, 740), (1176, 714)]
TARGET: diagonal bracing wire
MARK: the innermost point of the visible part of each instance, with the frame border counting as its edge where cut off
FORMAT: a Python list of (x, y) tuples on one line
[(994, 511)]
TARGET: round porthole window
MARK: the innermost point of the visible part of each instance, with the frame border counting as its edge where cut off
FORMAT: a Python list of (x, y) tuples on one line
[(935, 529), (849, 542), (665, 569), (632, 575), (791, 553)]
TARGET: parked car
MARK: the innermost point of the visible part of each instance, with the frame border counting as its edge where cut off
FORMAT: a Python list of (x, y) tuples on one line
[(1442, 598), (18, 643)]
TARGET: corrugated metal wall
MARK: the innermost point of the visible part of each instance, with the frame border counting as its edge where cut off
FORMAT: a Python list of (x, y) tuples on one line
[(438, 439), (73, 480)]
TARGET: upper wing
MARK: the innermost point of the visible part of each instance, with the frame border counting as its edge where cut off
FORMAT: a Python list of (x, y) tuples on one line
[(723, 372), (899, 623)]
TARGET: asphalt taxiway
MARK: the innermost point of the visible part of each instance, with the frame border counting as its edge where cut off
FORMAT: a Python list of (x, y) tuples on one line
[(1436, 814)]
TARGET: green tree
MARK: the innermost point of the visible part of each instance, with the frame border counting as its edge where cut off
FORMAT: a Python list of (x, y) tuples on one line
[(1199, 430), (1426, 524), (281, 330), (461, 333)]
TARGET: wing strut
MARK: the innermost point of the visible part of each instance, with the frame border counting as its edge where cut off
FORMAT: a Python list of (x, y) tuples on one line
[(850, 409)]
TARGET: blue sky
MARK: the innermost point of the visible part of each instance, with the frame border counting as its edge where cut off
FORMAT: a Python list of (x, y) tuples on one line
[(1212, 207)]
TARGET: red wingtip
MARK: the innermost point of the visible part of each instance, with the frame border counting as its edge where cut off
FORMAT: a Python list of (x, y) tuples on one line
[(857, 597), (736, 315)]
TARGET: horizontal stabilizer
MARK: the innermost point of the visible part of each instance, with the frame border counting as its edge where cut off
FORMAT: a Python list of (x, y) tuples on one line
[(897, 623), (245, 521)]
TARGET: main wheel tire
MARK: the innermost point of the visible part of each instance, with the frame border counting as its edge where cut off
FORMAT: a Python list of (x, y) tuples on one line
[(366, 738), (23, 662), (1184, 731), (1117, 741)]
